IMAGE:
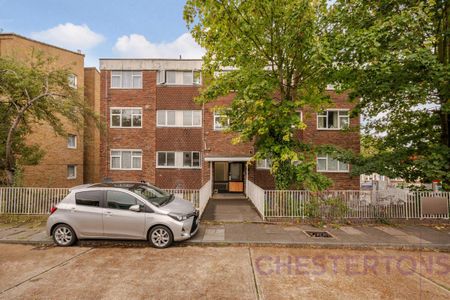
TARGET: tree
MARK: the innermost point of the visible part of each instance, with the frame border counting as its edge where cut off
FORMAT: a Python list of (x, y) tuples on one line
[(394, 56), (33, 92), (275, 50)]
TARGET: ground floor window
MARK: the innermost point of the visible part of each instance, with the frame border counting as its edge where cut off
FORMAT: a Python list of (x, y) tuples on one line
[(180, 159), (126, 160), (263, 164), (71, 172), (326, 163)]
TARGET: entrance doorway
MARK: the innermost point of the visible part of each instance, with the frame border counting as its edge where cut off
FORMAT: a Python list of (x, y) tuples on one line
[(228, 177)]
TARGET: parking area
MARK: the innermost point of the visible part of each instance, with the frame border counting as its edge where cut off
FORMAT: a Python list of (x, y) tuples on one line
[(30, 272)]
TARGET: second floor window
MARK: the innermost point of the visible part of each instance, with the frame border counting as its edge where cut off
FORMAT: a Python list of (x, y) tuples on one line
[(179, 118), (126, 79), (73, 81), (187, 77), (333, 119), (126, 117)]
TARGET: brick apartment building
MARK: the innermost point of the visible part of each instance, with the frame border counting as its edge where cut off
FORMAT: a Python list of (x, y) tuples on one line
[(157, 133), (64, 162)]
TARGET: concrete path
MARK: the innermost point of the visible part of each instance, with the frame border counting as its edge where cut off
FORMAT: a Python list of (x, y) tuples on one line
[(29, 272), (230, 210), (353, 237)]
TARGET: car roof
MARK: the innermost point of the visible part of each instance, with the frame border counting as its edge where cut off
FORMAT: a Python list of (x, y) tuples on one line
[(118, 184), (114, 184)]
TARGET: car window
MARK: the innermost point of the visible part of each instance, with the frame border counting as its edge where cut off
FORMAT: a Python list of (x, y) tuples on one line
[(89, 198), (120, 200)]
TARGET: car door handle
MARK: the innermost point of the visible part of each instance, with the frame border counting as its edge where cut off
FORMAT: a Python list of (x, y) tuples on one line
[(108, 213)]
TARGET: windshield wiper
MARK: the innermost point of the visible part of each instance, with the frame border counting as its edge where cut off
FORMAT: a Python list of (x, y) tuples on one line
[(169, 198)]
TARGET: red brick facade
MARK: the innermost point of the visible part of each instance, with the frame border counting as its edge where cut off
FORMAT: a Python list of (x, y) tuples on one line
[(209, 142)]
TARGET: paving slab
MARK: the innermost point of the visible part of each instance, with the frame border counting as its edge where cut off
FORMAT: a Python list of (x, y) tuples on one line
[(351, 230), (214, 234), (402, 235), (411, 236)]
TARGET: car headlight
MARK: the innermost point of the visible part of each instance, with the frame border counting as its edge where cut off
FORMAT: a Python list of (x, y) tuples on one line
[(177, 217)]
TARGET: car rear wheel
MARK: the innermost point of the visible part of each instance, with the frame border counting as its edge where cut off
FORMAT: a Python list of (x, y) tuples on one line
[(64, 235), (160, 237)]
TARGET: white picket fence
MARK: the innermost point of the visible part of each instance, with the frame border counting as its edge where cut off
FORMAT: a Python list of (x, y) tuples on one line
[(37, 201), (191, 195), (349, 204), (25, 200), (396, 204)]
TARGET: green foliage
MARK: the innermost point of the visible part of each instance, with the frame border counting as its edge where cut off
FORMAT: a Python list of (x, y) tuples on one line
[(394, 57), (276, 50), (34, 92), (331, 207)]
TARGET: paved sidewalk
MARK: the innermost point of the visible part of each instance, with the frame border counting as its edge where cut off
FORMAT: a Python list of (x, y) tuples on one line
[(353, 237)]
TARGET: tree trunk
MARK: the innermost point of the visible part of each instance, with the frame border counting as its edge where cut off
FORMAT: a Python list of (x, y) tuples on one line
[(10, 165)]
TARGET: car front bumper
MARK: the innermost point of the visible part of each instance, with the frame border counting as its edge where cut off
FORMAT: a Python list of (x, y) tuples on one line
[(189, 229)]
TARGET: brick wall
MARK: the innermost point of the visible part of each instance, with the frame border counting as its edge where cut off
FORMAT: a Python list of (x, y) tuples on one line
[(208, 141), (52, 169), (178, 139), (129, 138)]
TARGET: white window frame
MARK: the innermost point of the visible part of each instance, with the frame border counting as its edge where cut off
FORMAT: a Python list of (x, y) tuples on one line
[(179, 160), (125, 150), (74, 172), (263, 164), (68, 141), (327, 157), (179, 118), (121, 113), (121, 79), (324, 114), (165, 165), (161, 77), (218, 114), (73, 81)]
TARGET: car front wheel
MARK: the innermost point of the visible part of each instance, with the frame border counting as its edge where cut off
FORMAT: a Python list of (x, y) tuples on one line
[(64, 235), (160, 237)]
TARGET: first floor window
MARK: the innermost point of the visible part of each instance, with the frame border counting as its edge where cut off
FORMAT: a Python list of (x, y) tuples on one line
[(263, 164), (126, 160), (333, 119), (179, 118), (172, 159), (325, 163), (126, 117), (71, 172), (72, 141), (221, 121)]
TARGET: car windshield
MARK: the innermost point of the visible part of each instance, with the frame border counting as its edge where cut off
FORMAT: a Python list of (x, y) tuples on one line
[(152, 194)]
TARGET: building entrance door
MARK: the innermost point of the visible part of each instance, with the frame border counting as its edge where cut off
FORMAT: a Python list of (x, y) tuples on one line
[(228, 177)]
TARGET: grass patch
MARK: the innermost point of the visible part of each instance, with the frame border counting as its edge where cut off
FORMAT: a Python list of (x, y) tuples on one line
[(31, 221)]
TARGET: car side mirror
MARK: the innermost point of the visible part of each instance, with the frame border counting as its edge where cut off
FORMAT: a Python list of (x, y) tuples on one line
[(135, 208)]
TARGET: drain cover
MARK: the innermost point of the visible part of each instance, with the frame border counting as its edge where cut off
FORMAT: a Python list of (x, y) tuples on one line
[(319, 234)]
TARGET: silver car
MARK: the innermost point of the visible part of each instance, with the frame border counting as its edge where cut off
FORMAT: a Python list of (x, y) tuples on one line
[(122, 210)]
